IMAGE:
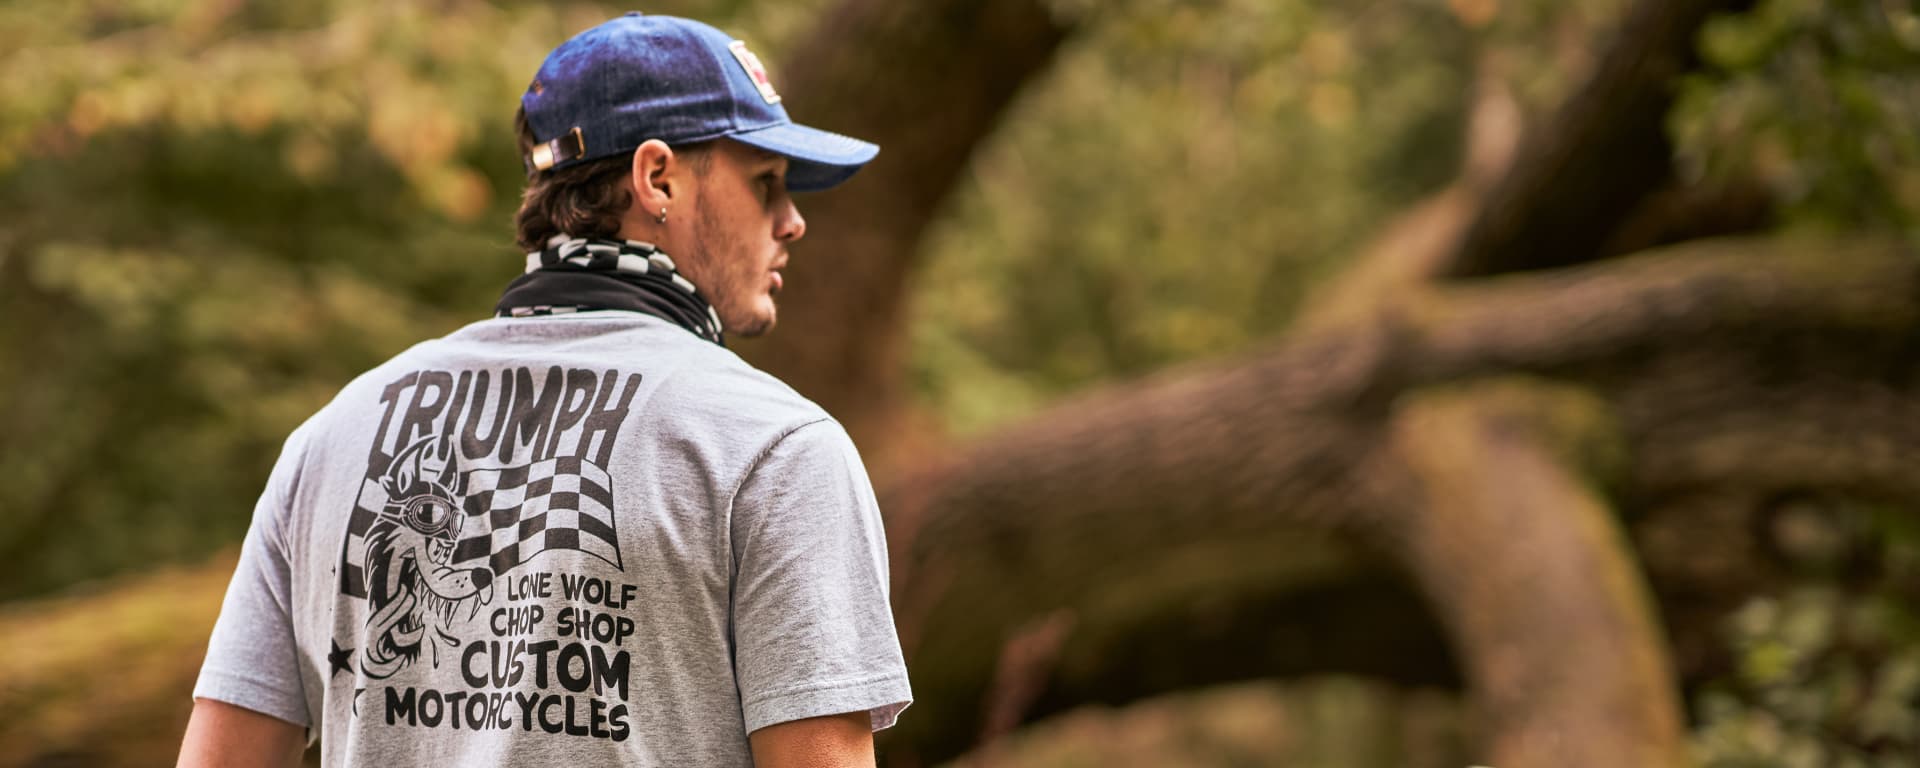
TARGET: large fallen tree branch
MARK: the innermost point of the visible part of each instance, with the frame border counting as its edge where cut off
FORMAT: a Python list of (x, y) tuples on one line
[(1268, 459)]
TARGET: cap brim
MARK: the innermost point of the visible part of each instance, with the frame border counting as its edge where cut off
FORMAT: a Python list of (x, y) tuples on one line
[(820, 159)]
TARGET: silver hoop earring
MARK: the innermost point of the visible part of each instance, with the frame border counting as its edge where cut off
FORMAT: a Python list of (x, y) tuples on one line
[(662, 218)]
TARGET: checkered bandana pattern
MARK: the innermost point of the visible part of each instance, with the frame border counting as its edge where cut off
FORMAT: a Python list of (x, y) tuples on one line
[(654, 284), (512, 514)]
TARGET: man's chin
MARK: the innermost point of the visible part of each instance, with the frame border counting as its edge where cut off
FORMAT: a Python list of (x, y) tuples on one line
[(758, 325)]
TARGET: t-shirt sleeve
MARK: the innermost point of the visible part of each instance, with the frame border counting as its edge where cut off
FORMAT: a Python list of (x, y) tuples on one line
[(813, 632), (252, 660)]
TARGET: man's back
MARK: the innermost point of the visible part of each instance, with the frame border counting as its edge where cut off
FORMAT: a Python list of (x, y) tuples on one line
[(588, 536)]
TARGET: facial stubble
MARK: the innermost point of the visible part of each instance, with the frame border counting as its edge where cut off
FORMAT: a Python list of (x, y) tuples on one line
[(732, 292)]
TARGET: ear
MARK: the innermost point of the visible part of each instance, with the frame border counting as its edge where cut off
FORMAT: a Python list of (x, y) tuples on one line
[(656, 177), (405, 468)]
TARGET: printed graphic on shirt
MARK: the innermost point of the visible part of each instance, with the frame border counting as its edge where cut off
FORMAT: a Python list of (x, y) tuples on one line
[(472, 476)]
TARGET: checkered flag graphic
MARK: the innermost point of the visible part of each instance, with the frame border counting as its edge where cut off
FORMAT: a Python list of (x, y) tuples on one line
[(512, 514)]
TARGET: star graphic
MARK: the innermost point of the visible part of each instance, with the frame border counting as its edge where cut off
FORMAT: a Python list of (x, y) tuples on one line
[(341, 659)]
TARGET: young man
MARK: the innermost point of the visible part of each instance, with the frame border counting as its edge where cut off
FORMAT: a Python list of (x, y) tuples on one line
[(582, 532)]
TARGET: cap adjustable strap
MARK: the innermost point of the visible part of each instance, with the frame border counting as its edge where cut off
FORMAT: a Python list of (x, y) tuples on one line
[(567, 147)]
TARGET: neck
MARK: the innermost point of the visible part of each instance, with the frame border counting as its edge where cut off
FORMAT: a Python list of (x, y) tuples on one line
[(582, 275)]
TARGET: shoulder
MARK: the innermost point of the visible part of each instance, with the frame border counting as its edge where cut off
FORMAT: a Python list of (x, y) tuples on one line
[(715, 386)]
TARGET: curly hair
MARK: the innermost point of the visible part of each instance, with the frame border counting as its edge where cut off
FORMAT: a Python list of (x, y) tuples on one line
[(585, 200)]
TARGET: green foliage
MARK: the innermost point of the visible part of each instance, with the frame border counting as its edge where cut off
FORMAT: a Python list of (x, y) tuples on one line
[(1187, 171), (1818, 100), (1827, 673), (1170, 188)]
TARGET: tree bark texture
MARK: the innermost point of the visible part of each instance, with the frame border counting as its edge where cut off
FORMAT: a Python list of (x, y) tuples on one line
[(1552, 620), (1125, 506), (927, 81)]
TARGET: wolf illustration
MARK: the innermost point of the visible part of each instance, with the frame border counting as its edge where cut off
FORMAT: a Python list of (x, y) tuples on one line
[(413, 589)]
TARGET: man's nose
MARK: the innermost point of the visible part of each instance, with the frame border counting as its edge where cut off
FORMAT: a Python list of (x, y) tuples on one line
[(791, 225)]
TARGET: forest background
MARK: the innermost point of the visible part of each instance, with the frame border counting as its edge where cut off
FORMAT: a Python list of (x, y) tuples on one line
[(1248, 382)]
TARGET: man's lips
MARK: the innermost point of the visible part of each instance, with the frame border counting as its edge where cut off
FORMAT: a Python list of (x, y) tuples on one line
[(777, 280)]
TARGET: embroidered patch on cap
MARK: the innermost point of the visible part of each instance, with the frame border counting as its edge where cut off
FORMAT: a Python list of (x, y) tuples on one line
[(754, 69)]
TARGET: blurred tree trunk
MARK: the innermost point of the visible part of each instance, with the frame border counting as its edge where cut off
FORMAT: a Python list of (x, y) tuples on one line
[(1603, 153), (927, 81), (1504, 472)]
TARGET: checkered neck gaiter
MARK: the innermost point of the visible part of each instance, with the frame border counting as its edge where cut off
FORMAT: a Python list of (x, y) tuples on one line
[(583, 274)]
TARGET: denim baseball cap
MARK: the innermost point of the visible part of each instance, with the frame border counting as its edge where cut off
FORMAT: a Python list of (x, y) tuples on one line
[(640, 77)]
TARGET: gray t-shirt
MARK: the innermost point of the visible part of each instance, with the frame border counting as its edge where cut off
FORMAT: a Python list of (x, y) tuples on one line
[(588, 539)]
